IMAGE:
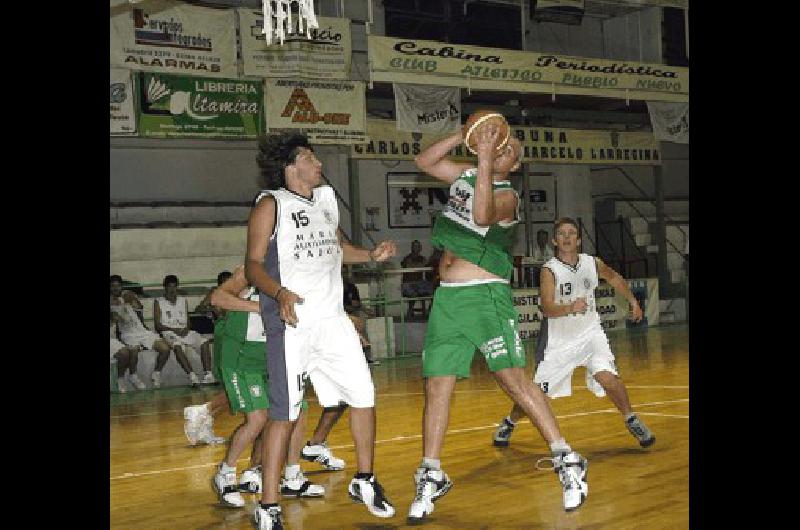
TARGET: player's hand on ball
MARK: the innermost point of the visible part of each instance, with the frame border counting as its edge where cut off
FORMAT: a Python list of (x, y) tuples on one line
[(636, 312), (383, 251), (579, 305), (486, 139), (286, 300)]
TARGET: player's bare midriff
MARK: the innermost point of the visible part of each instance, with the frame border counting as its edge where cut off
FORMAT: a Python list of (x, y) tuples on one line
[(453, 269)]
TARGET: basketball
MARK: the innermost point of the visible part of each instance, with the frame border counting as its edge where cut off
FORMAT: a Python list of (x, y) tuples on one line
[(480, 118)]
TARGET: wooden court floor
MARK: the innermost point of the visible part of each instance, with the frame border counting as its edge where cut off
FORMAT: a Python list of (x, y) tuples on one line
[(158, 482)]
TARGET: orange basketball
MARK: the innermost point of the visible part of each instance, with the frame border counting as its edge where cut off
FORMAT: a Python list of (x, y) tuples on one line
[(478, 119)]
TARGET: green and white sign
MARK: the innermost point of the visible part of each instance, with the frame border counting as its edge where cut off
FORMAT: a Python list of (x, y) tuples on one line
[(173, 106)]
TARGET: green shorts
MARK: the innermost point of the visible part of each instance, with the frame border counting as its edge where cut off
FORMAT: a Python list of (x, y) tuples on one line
[(464, 319), (244, 374), (243, 368)]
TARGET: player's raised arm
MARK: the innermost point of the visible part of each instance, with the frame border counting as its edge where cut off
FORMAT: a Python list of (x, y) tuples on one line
[(226, 296), (489, 207), (616, 281), (433, 160)]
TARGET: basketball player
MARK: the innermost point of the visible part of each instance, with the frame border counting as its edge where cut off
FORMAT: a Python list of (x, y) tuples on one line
[(244, 374), (294, 257), (171, 318), (199, 419), (472, 309), (571, 334), (131, 330)]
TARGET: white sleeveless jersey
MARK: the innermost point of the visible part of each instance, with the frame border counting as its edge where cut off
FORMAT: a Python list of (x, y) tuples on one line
[(173, 315), (128, 322), (571, 284), (304, 254), (255, 326)]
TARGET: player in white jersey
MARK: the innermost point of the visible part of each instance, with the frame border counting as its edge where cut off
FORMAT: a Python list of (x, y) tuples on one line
[(131, 330), (294, 257), (571, 334), (171, 318)]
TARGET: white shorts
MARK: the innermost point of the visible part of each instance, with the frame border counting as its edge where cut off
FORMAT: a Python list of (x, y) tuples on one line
[(145, 339), (554, 373), (115, 347), (192, 339), (329, 353)]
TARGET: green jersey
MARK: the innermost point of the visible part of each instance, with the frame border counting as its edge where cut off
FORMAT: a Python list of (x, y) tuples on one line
[(488, 247), (243, 326)]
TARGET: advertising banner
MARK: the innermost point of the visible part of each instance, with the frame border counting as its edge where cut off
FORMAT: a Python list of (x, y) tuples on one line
[(540, 144), (612, 307), (174, 37), (123, 117), (196, 107), (325, 55), (329, 112), (437, 63), (427, 109)]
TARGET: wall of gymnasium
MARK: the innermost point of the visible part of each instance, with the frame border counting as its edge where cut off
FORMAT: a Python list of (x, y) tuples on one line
[(217, 170)]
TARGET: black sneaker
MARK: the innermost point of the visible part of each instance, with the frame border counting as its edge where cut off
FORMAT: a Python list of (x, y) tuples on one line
[(640, 431), (370, 493), (502, 434)]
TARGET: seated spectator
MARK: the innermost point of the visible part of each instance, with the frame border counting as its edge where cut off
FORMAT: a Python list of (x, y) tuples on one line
[(413, 283), (356, 312), (132, 332), (127, 359), (171, 318)]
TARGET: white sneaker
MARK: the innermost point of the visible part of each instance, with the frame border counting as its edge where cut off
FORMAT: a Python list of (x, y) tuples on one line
[(206, 432), (156, 378), (225, 486), (193, 379), (571, 469), (431, 485), (208, 379), (299, 486), (121, 385), (322, 454), (371, 494), (195, 417), (136, 382), (268, 519), (250, 481)]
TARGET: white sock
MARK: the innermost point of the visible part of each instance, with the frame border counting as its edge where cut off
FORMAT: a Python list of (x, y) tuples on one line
[(205, 407), (291, 471), (225, 469), (431, 463), (560, 446)]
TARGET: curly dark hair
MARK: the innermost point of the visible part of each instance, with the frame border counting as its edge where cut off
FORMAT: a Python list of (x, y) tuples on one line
[(275, 152)]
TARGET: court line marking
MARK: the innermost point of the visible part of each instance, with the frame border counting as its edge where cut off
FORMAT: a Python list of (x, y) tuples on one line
[(419, 436), (395, 395)]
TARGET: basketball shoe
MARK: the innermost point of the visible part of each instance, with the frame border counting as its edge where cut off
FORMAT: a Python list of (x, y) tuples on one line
[(431, 485), (299, 486), (156, 378), (136, 382), (370, 493), (321, 454), (250, 481), (269, 519), (502, 435), (225, 486), (571, 469), (640, 431)]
